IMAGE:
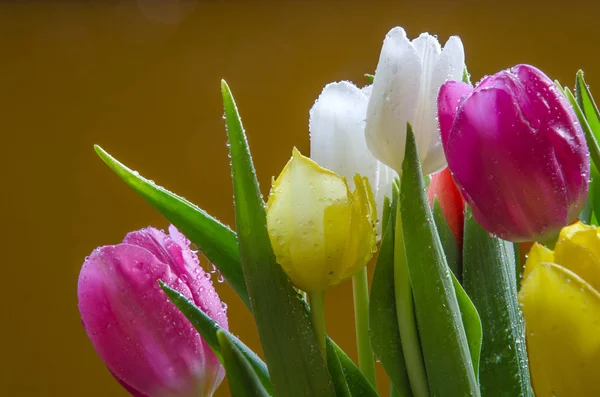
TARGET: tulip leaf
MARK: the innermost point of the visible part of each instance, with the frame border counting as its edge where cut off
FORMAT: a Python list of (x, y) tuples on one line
[(453, 254), (208, 328), (589, 135), (215, 240), (358, 385), (296, 365), (337, 373), (586, 102), (442, 333), (242, 380), (383, 322), (489, 277), (470, 317), (466, 77), (370, 77)]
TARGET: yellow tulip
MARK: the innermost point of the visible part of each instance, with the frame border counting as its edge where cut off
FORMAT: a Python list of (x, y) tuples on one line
[(561, 306), (321, 232)]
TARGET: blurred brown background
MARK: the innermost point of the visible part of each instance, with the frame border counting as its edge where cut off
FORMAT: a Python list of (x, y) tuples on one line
[(142, 80)]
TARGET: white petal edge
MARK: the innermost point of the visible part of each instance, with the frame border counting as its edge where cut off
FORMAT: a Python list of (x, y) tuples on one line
[(392, 103)]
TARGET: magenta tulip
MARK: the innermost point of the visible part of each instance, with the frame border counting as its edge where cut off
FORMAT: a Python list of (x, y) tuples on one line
[(145, 342), (517, 152)]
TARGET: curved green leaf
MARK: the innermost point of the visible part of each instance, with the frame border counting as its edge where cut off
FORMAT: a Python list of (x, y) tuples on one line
[(296, 365), (208, 328), (358, 385), (383, 323), (243, 382), (441, 331), (489, 277), (215, 240)]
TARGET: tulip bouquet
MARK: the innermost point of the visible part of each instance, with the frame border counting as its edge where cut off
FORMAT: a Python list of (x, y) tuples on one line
[(479, 206)]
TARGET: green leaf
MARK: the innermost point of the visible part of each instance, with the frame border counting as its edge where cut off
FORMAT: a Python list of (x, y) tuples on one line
[(337, 372), (208, 328), (383, 322), (489, 277), (469, 315), (243, 382), (296, 365), (466, 77), (441, 331), (586, 102), (358, 385), (453, 254), (370, 77), (215, 240), (589, 135)]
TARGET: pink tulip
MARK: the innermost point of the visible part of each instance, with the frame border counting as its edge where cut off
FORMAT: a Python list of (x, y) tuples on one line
[(145, 342), (516, 151)]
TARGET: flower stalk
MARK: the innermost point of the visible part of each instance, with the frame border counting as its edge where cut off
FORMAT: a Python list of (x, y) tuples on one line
[(360, 289)]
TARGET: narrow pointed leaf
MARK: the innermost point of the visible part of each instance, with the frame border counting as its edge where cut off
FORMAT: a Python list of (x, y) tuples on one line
[(243, 382), (295, 363), (441, 331), (337, 372), (215, 240), (589, 135), (453, 254), (586, 102), (470, 317), (208, 328), (489, 277), (383, 323), (358, 385), (370, 77)]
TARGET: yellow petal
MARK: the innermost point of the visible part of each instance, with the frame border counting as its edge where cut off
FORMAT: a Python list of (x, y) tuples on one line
[(362, 239), (562, 320), (317, 226), (578, 249), (537, 254)]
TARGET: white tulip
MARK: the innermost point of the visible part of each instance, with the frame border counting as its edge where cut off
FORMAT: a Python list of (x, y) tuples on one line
[(337, 139), (407, 80)]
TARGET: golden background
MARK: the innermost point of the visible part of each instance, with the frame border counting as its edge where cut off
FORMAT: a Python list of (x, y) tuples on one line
[(142, 80)]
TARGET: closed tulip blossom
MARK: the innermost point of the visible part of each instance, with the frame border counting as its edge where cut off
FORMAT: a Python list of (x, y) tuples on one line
[(517, 152), (337, 139), (321, 232), (145, 342), (560, 300), (407, 80), (443, 188)]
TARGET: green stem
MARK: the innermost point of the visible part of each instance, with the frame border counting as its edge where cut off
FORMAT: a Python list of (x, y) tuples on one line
[(317, 315), (360, 289), (409, 335)]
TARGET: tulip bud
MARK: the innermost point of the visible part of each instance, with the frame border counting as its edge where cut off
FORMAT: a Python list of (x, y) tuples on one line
[(144, 340), (561, 306), (517, 153), (337, 139), (405, 89), (321, 232), (443, 188)]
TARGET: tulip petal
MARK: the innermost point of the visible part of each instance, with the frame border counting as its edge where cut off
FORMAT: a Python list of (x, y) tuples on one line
[(308, 216), (537, 254), (486, 138), (425, 123), (394, 98), (562, 316), (450, 96), (453, 205), (578, 249), (124, 311), (567, 138), (337, 138)]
